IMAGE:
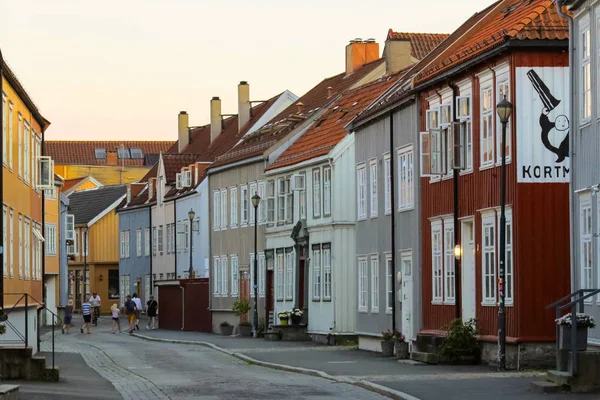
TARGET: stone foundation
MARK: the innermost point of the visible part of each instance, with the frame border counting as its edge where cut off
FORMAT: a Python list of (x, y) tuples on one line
[(521, 356), (292, 333), (9, 392), (369, 343), (20, 364), (333, 339)]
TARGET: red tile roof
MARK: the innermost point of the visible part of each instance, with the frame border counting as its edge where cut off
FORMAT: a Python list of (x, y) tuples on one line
[(71, 183), (276, 129), (503, 21), (173, 164), (174, 192), (80, 152), (421, 43), (328, 130)]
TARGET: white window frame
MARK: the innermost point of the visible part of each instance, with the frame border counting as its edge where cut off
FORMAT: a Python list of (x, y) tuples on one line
[(449, 273), (217, 276), (5, 236), (233, 206), (244, 205), (235, 276), (146, 242), (280, 274), (76, 242), (437, 262), (216, 209), (11, 249), (223, 209), (253, 188), (317, 281), (262, 206), (316, 185), (406, 178), (20, 145), (154, 241), (361, 191), (503, 83), (302, 201), (21, 243), (326, 191), (4, 129), (374, 264), (26, 152), (486, 116), (50, 239), (262, 272), (387, 175), (27, 247), (586, 253), (509, 267), (138, 242), (585, 68), (326, 268), (488, 249), (271, 206), (373, 182), (363, 284), (289, 201), (389, 283), (10, 135), (290, 267), (161, 239), (281, 199), (224, 276)]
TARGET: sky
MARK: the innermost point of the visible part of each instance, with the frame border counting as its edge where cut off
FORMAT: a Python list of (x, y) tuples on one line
[(122, 70)]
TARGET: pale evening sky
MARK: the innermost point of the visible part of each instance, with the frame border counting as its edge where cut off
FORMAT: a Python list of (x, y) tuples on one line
[(114, 69)]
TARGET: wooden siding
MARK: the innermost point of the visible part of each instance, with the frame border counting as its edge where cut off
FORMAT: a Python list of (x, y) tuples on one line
[(105, 174), (52, 217), (540, 221)]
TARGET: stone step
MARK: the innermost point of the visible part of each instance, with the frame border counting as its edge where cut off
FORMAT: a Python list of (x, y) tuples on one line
[(544, 387), (560, 378), (428, 358), (9, 392)]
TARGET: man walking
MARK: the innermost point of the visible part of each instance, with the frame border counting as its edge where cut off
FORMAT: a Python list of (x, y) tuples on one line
[(95, 301), (138, 310), (151, 308), (86, 311), (130, 310)]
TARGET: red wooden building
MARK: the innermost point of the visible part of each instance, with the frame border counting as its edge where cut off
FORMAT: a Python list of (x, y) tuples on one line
[(518, 49)]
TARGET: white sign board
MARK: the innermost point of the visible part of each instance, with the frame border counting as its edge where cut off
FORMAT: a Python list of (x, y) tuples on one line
[(542, 112)]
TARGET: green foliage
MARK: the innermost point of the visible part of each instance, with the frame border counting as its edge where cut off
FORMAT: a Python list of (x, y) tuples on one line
[(387, 335), (461, 340), (244, 323), (2, 329), (225, 323), (241, 307)]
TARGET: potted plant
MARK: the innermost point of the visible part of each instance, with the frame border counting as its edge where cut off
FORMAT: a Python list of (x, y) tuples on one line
[(241, 307), (387, 344), (460, 345), (245, 328), (283, 316), (565, 323), (400, 346), (296, 316), (226, 328)]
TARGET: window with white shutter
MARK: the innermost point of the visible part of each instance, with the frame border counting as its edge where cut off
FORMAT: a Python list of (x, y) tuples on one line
[(253, 191), (316, 193), (138, 242), (375, 283), (262, 206), (216, 210), (234, 276), (217, 275), (223, 208), (326, 261), (387, 171), (437, 262), (271, 202), (373, 187), (316, 269), (224, 277), (363, 283), (361, 191), (449, 276), (488, 259), (326, 191), (405, 178), (233, 204), (244, 205), (147, 241)]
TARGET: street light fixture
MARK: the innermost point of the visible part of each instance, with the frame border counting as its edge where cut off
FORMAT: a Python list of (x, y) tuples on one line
[(504, 109), (191, 215), (255, 203)]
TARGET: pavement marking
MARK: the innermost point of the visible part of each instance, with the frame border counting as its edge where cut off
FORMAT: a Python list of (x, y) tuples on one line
[(445, 376), (341, 362)]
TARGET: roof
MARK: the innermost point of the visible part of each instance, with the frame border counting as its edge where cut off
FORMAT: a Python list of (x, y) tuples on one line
[(86, 205), (256, 143), (174, 192), (421, 43), (172, 164), (503, 21), (72, 183), (82, 152), (328, 130)]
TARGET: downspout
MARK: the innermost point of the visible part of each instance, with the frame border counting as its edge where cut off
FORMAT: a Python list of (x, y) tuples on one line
[(2, 194), (457, 241), (393, 215), (175, 221), (559, 4), (182, 306), (62, 254), (151, 248), (43, 232)]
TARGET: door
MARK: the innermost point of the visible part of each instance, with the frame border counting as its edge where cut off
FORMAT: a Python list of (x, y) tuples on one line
[(78, 288), (300, 301), (468, 270), (270, 296), (407, 294)]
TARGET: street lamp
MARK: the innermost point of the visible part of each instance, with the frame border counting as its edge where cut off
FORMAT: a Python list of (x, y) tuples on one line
[(504, 109), (255, 203), (191, 215)]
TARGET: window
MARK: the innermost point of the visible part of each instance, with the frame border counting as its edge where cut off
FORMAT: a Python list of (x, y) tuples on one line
[(4, 134), (20, 145), (123, 153), (487, 126), (489, 260), (361, 201), (387, 171), (326, 191), (136, 152), (281, 197), (405, 178), (233, 204), (375, 283), (262, 270), (217, 275), (251, 268), (27, 248), (21, 242), (147, 241), (234, 276), (244, 204), (50, 239), (160, 239), (289, 201), (262, 206), (502, 89), (138, 242), (289, 274), (77, 243), (389, 283), (223, 208), (4, 236), (586, 70), (436, 261), (302, 196), (125, 243), (185, 235), (373, 187), (26, 151), (363, 283), (585, 234), (326, 261), (10, 136), (50, 194), (253, 191), (316, 263), (271, 202), (449, 276), (224, 272), (280, 265), (463, 111), (173, 240), (216, 210), (100, 153), (508, 267), (316, 193), (154, 241), (11, 251)]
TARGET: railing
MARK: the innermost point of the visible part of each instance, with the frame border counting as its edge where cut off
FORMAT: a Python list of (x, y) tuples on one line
[(24, 301), (580, 296)]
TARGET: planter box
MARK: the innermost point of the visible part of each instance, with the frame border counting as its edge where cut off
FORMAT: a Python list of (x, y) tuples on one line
[(283, 322), (296, 320), (272, 336), (565, 338), (387, 348), (245, 330), (227, 330), (401, 350)]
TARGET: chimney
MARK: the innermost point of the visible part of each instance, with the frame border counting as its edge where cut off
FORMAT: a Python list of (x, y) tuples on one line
[(111, 158), (360, 52), (243, 104), (329, 92), (300, 106), (151, 188), (216, 124), (183, 133), (398, 54)]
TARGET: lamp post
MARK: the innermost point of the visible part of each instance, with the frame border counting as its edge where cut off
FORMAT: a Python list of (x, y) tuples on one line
[(504, 109), (191, 215), (255, 203)]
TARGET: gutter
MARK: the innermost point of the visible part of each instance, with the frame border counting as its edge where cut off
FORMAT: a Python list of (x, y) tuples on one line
[(175, 222), (151, 249), (250, 160), (2, 194), (393, 217), (183, 306), (389, 108)]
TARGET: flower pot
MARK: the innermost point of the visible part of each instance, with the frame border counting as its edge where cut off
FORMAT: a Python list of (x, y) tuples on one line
[(387, 348), (283, 322), (565, 338), (245, 330), (296, 320), (226, 330), (401, 350)]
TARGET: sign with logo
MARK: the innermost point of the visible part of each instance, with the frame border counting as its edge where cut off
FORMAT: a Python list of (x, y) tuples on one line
[(542, 112)]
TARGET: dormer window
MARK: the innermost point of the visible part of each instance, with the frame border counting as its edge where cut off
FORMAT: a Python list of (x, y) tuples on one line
[(100, 153), (123, 153), (128, 194), (150, 190), (136, 153)]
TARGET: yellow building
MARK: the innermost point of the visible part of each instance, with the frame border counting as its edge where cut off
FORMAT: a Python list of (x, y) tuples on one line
[(109, 162), (53, 248), (74, 185), (24, 176), (93, 225)]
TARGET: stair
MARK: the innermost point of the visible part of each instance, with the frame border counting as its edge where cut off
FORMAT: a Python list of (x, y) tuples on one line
[(20, 364), (427, 348), (428, 358), (544, 387)]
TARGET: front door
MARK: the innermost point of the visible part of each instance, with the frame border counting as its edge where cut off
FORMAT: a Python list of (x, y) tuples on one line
[(300, 301), (78, 288), (468, 270), (407, 294)]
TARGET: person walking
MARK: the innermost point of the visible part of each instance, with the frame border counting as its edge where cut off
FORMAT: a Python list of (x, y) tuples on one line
[(151, 308), (130, 310), (68, 317), (96, 302), (138, 310), (86, 310), (115, 318)]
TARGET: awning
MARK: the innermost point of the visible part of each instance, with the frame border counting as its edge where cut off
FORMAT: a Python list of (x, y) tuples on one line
[(38, 235)]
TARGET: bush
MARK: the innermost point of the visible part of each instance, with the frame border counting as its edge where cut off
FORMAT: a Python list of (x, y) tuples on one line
[(387, 335), (225, 323), (241, 307), (461, 340), (244, 323)]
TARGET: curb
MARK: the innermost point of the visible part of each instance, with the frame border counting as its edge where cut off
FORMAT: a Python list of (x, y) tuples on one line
[(373, 387)]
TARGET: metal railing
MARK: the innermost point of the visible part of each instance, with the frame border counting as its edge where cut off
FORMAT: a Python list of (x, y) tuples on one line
[(26, 300), (580, 296)]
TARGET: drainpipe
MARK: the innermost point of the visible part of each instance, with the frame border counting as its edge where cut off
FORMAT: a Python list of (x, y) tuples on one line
[(1, 196), (175, 221), (455, 174), (151, 249), (393, 215), (182, 306), (559, 4)]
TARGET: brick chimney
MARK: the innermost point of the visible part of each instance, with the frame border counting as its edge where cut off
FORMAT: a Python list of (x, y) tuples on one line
[(111, 157), (216, 124), (360, 52), (183, 134), (243, 104)]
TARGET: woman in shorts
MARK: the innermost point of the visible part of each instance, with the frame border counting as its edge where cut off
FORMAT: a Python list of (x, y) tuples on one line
[(115, 318), (68, 317)]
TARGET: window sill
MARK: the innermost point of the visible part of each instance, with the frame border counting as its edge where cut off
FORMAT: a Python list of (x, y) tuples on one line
[(388, 212), (363, 311), (361, 219), (437, 302), (326, 300), (486, 167), (372, 216), (449, 303), (585, 123), (327, 215), (279, 300), (316, 299), (465, 172), (388, 311), (447, 177), (489, 304), (374, 310), (407, 208), (233, 227), (499, 164)]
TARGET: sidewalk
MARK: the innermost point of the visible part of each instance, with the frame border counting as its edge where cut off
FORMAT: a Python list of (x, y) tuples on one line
[(347, 364)]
